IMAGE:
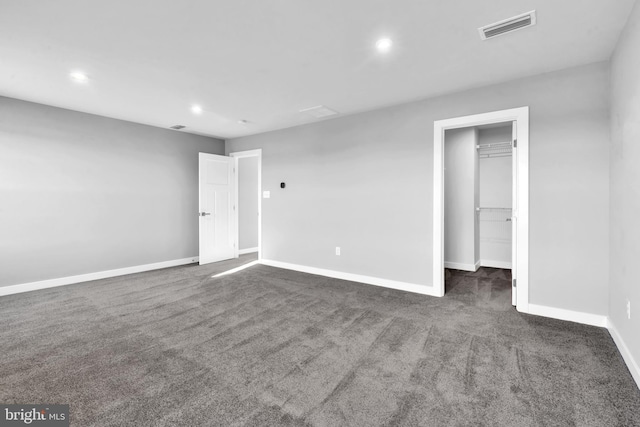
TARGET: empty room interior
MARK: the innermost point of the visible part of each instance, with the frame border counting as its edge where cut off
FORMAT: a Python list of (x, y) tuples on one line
[(338, 213)]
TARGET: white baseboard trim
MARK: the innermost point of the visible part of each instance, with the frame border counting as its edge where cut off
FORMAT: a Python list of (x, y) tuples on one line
[(52, 283), (570, 315), (462, 266), (633, 366), (386, 283), (495, 264), (247, 251)]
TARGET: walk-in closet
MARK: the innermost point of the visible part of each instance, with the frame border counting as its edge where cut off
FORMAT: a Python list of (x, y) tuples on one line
[(478, 197)]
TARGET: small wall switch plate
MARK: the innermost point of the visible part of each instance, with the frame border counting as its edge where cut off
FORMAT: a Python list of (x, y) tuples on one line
[(266, 194), (629, 309), (338, 250)]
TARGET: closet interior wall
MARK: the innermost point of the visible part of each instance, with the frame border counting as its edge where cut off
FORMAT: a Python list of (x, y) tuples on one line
[(461, 233)]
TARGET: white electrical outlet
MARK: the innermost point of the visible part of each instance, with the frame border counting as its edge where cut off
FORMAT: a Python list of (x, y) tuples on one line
[(338, 250), (628, 309)]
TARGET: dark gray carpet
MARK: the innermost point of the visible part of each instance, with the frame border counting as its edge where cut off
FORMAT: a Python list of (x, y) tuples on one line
[(269, 347)]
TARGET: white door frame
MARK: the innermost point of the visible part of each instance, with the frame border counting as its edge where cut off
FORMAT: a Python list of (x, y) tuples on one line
[(521, 213), (243, 154)]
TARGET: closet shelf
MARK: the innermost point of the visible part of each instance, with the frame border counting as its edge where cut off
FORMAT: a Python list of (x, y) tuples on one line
[(492, 155), (496, 149), (495, 145), (482, 208)]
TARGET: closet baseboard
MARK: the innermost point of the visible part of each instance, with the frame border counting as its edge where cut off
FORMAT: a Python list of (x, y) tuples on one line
[(462, 266), (495, 264)]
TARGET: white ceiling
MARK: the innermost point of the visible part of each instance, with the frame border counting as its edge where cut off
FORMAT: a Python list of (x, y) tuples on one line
[(264, 60)]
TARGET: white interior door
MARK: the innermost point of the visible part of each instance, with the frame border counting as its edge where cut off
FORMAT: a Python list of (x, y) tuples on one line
[(514, 211), (216, 207)]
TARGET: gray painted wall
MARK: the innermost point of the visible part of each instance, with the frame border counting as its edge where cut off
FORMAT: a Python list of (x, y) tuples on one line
[(82, 193), (365, 182), (248, 202), (460, 169), (625, 184), (495, 191)]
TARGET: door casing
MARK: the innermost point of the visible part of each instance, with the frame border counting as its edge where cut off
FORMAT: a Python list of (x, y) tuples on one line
[(520, 215)]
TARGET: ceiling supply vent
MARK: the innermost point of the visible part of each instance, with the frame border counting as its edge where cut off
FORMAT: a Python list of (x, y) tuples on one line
[(177, 127), (319, 111), (508, 25)]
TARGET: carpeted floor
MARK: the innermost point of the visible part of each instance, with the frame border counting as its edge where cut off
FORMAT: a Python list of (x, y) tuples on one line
[(267, 347)]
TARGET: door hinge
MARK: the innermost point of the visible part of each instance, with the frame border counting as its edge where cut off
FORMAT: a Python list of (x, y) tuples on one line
[(515, 143), (514, 283)]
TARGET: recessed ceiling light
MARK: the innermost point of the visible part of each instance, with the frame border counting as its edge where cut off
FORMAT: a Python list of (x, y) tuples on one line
[(79, 77), (196, 109), (384, 45)]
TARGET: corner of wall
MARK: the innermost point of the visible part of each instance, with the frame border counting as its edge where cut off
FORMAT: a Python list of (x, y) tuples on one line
[(632, 364), (624, 178)]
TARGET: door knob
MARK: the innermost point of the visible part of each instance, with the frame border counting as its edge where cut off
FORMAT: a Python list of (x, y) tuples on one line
[(205, 213)]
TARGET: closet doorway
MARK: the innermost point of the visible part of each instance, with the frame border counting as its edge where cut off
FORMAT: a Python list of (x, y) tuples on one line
[(248, 215), (481, 197)]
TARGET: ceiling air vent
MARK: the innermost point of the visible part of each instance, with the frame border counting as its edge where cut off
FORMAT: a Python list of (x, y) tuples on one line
[(177, 127), (319, 111), (508, 25)]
